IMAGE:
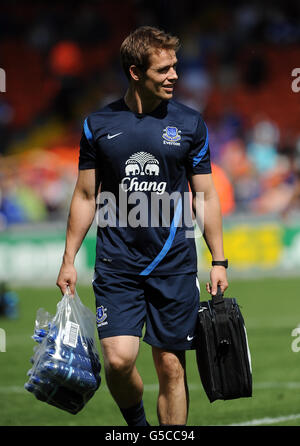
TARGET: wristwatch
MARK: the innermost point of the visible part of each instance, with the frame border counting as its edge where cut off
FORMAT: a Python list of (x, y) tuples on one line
[(220, 263)]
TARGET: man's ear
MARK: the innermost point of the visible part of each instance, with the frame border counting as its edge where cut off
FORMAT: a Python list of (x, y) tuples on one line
[(135, 72)]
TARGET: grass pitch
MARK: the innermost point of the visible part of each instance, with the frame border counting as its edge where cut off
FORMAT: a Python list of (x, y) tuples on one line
[(271, 310)]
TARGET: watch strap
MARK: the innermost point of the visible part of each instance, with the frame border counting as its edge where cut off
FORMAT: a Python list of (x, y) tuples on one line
[(220, 263)]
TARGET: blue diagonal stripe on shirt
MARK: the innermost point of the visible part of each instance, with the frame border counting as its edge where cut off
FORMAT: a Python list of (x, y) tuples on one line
[(168, 242), (87, 131), (202, 152)]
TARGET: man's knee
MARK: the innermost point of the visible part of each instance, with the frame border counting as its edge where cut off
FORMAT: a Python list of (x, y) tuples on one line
[(170, 366), (119, 356), (119, 363)]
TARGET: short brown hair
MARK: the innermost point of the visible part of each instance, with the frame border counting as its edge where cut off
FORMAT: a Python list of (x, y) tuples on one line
[(137, 46)]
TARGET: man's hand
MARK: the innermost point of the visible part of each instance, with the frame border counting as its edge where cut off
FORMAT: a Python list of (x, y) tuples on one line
[(67, 277), (217, 277)]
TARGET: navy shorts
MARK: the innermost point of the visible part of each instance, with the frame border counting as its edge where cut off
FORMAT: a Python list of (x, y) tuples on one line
[(166, 305)]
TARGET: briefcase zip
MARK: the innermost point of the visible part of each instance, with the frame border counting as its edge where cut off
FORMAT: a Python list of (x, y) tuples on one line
[(213, 383), (210, 361), (245, 354), (241, 350), (221, 357)]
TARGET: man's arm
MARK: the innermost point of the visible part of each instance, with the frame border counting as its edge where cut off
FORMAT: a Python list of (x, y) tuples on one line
[(81, 216), (212, 227)]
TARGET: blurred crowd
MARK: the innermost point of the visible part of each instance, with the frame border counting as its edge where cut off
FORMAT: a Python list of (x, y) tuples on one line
[(235, 66)]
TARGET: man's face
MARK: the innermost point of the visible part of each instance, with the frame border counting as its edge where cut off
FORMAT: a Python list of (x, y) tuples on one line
[(159, 79)]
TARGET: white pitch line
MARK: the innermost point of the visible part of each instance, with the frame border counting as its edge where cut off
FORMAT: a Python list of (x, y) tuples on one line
[(268, 420), (11, 389), (192, 386), (277, 385), (151, 387), (259, 386)]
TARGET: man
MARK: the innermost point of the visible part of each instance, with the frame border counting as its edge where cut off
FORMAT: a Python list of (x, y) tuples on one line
[(145, 143)]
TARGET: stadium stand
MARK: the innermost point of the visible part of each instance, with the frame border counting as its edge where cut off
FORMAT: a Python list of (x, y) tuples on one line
[(235, 67)]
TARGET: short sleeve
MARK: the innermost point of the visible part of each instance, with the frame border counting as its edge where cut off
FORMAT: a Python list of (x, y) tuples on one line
[(199, 153), (88, 152)]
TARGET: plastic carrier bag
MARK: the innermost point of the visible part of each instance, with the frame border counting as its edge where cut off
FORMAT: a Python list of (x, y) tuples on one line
[(66, 366)]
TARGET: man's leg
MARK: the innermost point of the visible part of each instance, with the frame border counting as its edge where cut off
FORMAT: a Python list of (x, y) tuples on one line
[(173, 398), (122, 377)]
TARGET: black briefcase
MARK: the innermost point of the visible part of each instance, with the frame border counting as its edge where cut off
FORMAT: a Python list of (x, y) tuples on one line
[(222, 350)]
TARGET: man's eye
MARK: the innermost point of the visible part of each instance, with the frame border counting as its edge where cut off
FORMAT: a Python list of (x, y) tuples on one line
[(163, 70)]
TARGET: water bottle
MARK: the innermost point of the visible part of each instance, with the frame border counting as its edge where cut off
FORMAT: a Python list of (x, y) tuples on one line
[(76, 360), (55, 395), (45, 385), (81, 348), (39, 335), (90, 352), (29, 386), (41, 382), (67, 399), (52, 335), (72, 377), (69, 356), (85, 346), (36, 391), (62, 397)]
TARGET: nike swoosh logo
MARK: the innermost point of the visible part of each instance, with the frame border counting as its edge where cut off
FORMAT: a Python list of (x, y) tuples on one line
[(190, 338), (113, 136)]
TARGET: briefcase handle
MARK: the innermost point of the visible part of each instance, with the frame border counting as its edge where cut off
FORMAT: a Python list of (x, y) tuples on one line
[(222, 317), (219, 304), (219, 297)]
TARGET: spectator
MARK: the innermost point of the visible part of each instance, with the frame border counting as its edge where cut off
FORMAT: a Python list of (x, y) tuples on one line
[(262, 149)]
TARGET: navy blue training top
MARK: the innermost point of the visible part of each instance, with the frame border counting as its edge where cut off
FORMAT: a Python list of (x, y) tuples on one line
[(144, 162)]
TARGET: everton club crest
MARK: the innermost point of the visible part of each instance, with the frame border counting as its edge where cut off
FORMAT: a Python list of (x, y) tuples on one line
[(101, 316), (171, 136)]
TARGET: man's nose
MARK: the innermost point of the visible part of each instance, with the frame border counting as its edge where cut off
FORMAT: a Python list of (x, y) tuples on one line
[(173, 74)]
